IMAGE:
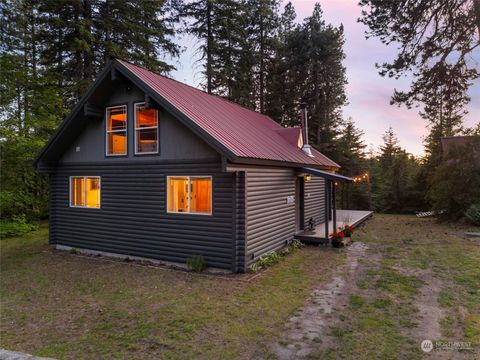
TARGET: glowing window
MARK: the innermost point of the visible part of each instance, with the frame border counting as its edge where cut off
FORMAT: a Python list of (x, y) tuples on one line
[(85, 191), (117, 130), (189, 194), (146, 130)]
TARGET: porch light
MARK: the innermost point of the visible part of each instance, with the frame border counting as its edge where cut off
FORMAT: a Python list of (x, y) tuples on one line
[(307, 178)]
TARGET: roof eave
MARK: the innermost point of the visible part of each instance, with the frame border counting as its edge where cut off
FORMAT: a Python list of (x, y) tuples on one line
[(270, 162), (73, 113)]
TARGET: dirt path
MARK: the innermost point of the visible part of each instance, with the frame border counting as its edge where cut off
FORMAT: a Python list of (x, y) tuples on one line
[(309, 327)]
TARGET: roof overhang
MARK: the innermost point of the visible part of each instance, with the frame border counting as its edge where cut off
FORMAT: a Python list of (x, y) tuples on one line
[(277, 163), (326, 175)]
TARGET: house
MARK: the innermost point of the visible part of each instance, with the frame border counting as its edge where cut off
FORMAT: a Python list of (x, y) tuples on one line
[(145, 166)]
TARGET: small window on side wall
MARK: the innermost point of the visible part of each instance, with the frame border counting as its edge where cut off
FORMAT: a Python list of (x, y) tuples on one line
[(189, 194), (146, 130), (116, 136), (85, 191)]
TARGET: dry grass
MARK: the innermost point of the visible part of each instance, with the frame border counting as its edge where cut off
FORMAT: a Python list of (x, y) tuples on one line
[(420, 279), (67, 306), (63, 305)]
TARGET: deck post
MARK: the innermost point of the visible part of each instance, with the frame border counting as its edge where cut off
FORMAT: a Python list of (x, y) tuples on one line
[(334, 206), (327, 207)]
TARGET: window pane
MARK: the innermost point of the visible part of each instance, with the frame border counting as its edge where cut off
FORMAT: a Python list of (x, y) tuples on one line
[(147, 141), (93, 192), (201, 195), (117, 118), (117, 143), (145, 117), (178, 194), (77, 191)]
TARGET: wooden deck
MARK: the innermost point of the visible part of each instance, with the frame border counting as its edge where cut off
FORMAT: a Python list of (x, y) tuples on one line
[(344, 217)]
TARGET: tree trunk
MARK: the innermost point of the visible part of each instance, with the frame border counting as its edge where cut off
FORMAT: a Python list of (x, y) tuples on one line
[(476, 10), (262, 66), (209, 46)]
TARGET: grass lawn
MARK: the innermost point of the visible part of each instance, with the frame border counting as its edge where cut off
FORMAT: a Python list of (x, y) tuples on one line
[(67, 306)]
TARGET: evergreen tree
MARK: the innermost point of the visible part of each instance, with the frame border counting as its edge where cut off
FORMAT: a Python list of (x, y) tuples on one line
[(325, 84), (455, 184), (435, 38), (396, 178), (351, 154), (50, 51), (262, 32), (30, 109)]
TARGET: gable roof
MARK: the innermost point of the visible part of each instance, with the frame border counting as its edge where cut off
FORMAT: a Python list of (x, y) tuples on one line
[(241, 134)]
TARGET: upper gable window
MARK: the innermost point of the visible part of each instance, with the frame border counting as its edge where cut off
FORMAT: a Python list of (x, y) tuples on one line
[(117, 130), (146, 130)]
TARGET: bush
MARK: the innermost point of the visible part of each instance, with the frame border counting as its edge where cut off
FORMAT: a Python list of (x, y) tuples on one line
[(196, 263), (273, 257), (17, 226), (473, 214)]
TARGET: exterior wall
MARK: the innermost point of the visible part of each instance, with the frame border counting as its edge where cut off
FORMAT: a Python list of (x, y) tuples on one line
[(314, 201), (176, 142), (239, 198), (270, 219), (133, 220)]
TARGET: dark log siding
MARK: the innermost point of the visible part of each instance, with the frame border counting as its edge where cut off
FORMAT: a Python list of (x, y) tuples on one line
[(239, 222), (133, 218), (314, 200), (270, 220)]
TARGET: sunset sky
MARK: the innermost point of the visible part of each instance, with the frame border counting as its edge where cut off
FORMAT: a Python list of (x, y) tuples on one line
[(368, 93)]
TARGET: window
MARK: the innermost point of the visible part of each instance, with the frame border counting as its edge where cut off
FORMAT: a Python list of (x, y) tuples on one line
[(146, 130), (117, 130), (85, 191), (189, 194)]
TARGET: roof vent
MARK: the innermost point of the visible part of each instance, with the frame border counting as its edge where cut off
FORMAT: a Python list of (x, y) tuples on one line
[(307, 149)]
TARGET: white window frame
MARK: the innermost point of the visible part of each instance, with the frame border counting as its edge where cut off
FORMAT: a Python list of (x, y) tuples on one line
[(84, 192), (107, 132), (145, 128), (189, 190)]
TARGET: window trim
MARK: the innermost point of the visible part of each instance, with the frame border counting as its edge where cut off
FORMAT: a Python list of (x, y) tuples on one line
[(84, 191), (107, 132), (145, 128), (189, 189)]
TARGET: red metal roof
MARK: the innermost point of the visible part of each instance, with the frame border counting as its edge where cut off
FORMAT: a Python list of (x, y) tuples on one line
[(246, 133)]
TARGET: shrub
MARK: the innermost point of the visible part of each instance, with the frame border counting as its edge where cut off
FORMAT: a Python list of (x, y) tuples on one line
[(17, 226), (473, 214), (273, 257), (196, 263)]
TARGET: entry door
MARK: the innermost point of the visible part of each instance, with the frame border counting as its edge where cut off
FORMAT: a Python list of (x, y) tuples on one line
[(299, 199)]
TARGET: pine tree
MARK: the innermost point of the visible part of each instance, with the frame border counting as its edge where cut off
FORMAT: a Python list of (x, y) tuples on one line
[(282, 87), (30, 106), (351, 154), (325, 84), (262, 31)]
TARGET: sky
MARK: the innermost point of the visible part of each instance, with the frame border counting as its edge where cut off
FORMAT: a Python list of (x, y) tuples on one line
[(368, 93)]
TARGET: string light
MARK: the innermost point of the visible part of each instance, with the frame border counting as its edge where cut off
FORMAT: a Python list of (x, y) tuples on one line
[(360, 177)]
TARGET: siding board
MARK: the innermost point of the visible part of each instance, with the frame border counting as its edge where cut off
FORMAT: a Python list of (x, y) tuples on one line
[(133, 220), (270, 220)]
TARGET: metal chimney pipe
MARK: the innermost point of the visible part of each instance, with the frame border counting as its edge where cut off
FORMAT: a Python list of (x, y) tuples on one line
[(307, 149)]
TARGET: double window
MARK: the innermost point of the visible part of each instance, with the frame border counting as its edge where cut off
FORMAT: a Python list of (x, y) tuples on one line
[(85, 191), (189, 194), (146, 130)]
